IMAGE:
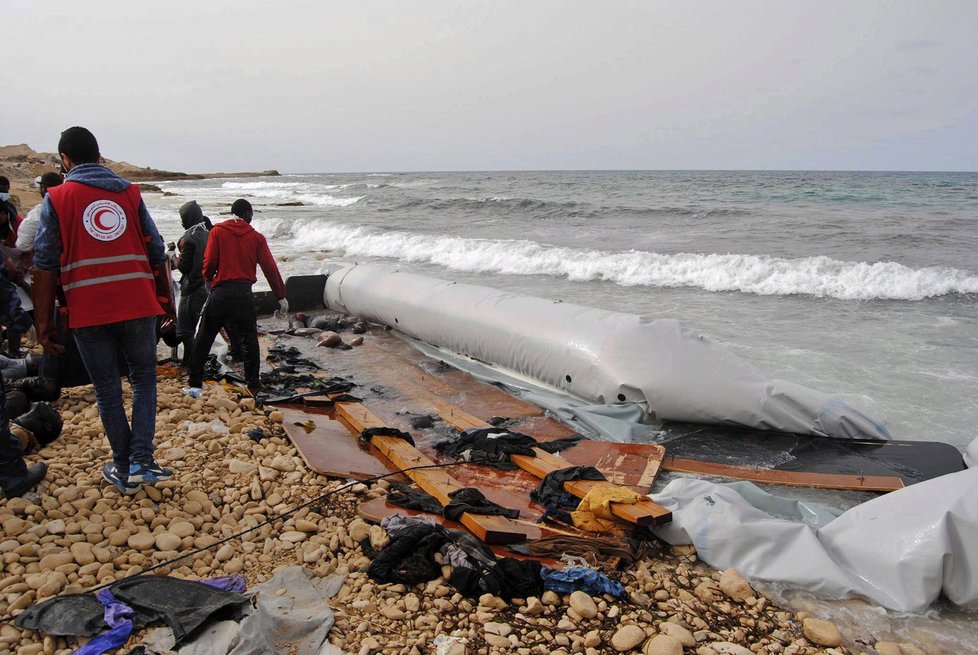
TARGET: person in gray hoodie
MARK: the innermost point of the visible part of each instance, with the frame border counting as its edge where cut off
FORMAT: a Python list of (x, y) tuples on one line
[(190, 263)]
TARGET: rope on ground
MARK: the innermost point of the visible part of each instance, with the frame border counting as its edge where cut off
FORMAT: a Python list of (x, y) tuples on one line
[(269, 521)]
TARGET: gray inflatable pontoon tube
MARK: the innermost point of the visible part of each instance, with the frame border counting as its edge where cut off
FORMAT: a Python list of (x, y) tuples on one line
[(600, 356)]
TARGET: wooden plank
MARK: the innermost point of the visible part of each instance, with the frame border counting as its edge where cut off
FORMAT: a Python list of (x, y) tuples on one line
[(328, 448), (645, 512), (435, 481), (787, 478)]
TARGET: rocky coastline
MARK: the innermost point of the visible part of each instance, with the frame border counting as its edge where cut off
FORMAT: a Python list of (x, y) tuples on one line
[(73, 534), (21, 164)]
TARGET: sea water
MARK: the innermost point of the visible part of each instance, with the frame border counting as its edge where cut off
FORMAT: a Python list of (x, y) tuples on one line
[(864, 284), (858, 283)]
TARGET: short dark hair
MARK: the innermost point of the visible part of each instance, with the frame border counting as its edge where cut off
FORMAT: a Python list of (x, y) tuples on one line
[(80, 145), (4, 182), (242, 209)]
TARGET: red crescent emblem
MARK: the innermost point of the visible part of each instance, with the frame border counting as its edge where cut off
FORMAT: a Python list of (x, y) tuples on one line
[(97, 219)]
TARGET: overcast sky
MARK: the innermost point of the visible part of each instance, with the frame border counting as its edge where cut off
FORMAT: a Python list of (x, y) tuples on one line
[(453, 85)]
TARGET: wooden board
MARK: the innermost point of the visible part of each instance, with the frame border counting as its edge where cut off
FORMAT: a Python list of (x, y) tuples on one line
[(330, 450), (435, 481), (788, 478), (645, 512)]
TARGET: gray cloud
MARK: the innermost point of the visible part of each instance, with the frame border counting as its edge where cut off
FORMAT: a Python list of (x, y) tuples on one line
[(385, 85)]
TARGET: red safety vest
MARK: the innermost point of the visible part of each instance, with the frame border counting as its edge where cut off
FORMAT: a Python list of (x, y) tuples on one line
[(105, 272)]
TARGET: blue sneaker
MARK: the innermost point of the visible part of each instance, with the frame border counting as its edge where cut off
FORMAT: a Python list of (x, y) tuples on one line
[(148, 473), (110, 473)]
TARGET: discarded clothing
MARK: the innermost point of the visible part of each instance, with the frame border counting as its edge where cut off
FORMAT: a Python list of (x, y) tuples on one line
[(493, 446), (370, 433), (594, 512), (396, 522), (409, 557), (185, 606), (75, 615), (472, 501), (569, 580), (404, 496), (551, 492), (507, 578)]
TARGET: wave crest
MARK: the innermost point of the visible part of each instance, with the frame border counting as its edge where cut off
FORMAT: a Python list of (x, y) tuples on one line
[(759, 274)]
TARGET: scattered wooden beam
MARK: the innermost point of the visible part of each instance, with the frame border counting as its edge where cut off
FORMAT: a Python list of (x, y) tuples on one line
[(646, 512), (787, 478), (435, 481)]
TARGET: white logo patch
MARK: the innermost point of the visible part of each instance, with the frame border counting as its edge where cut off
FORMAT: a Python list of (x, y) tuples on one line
[(104, 220)]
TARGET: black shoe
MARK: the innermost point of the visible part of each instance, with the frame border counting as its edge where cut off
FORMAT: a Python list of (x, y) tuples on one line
[(43, 421), (33, 363), (34, 475), (37, 388)]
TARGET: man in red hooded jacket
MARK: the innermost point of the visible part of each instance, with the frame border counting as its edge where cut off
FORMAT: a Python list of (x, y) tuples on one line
[(234, 251)]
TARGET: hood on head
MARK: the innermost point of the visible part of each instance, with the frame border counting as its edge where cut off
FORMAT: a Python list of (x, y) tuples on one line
[(191, 214)]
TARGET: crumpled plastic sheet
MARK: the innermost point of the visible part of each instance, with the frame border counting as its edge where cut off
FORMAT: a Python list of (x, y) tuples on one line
[(901, 550), (300, 615)]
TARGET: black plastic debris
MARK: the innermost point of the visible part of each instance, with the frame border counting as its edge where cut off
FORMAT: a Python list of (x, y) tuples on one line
[(185, 606), (74, 615)]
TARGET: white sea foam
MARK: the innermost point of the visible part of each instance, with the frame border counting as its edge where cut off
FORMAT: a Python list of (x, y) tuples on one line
[(815, 276), (307, 193)]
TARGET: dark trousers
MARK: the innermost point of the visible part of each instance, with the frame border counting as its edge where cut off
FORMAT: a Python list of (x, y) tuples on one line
[(99, 347), (12, 467), (229, 305), (188, 312)]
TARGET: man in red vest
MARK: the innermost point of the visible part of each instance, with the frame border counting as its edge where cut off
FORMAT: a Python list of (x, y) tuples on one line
[(97, 240)]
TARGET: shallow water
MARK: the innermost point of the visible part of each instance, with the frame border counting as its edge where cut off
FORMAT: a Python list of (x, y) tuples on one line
[(863, 284)]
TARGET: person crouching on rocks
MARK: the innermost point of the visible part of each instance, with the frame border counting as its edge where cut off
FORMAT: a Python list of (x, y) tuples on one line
[(234, 251), (97, 240), (41, 424)]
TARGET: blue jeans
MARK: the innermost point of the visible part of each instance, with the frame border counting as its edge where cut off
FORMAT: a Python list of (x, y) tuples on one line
[(99, 348)]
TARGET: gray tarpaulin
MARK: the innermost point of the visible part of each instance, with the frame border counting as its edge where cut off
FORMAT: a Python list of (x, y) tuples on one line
[(291, 611), (595, 355), (901, 550)]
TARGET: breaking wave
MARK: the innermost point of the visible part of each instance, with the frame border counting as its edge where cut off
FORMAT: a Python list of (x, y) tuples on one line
[(308, 193), (759, 274)]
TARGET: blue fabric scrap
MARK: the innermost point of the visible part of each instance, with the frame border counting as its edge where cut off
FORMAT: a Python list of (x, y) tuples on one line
[(565, 581)]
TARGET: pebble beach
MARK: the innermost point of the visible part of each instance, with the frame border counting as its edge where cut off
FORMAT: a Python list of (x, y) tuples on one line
[(73, 534)]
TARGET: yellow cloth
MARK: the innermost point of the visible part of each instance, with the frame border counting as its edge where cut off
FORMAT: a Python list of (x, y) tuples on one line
[(594, 512)]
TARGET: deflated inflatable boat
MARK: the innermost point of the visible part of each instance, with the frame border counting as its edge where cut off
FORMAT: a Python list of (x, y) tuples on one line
[(601, 356)]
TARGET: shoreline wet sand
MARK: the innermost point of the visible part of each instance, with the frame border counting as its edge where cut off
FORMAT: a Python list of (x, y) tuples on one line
[(74, 534)]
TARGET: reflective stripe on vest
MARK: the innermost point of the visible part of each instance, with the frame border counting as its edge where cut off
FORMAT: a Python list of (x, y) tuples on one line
[(107, 278), (104, 260)]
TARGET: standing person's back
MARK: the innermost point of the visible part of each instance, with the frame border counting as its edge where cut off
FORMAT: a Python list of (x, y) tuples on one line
[(234, 251), (98, 242), (190, 263)]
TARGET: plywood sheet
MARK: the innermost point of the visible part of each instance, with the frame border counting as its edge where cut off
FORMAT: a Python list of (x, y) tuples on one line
[(330, 449)]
